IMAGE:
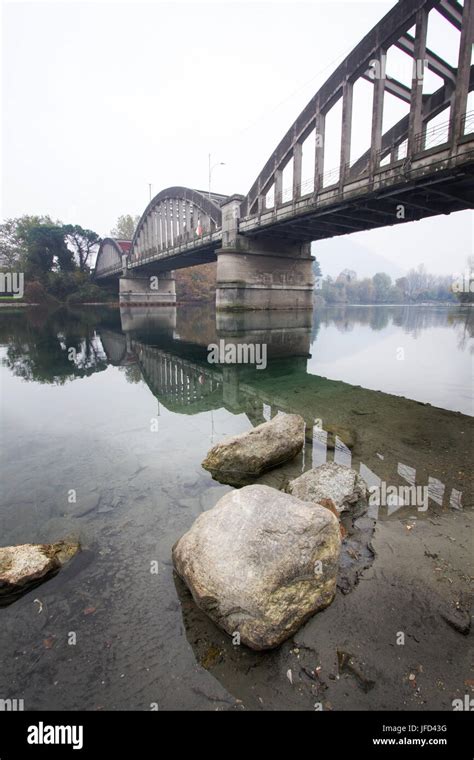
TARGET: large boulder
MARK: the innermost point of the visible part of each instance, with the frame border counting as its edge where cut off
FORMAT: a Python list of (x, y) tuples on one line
[(260, 563), (25, 566), (238, 459), (342, 485)]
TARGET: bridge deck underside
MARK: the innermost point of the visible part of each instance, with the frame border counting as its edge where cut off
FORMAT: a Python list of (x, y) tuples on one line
[(177, 260), (429, 194)]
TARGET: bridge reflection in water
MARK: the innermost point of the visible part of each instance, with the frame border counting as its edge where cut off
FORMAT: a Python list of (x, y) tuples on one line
[(394, 440), (174, 362)]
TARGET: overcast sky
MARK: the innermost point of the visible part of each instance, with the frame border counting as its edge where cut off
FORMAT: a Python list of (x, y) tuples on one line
[(100, 99)]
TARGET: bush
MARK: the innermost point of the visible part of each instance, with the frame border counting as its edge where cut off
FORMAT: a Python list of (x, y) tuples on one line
[(63, 284), (90, 293), (35, 292)]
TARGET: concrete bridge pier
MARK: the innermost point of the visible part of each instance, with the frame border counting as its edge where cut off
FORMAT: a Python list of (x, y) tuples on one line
[(231, 389), (257, 273), (147, 290)]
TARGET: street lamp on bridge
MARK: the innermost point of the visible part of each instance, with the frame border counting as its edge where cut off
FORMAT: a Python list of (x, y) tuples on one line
[(219, 163)]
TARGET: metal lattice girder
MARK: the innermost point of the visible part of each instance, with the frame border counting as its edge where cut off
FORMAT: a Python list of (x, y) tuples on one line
[(109, 258), (393, 29), (393, 87), (406, 43), (452, 11), (181, 211)]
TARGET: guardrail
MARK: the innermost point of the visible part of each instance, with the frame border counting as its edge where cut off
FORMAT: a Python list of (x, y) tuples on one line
[(197, 242), (425, 140)]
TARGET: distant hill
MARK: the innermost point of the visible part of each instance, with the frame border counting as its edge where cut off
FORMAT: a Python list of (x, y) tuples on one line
[(336, 254)]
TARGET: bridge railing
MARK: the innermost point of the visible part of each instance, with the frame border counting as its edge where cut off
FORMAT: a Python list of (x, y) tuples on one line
[(179, 246), (468, 123), (426, 140), (108, 270), (434, 137)]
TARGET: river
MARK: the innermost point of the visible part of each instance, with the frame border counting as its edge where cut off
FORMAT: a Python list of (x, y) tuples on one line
[(119, 407)]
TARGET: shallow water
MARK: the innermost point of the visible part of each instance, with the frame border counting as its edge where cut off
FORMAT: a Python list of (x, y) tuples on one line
[(107, 446)]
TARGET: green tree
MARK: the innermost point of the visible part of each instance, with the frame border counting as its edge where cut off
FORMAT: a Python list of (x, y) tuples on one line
[(462, 286), (125, 227), (14, 236), (347, 276), (46, 250), (10, 248), (329, 291), (402, 285), (82, 242), (382, 283), (396, 295), (365, 291)]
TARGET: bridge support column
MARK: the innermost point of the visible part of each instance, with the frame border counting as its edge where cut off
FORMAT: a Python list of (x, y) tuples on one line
[(261, 273), (258, 276), (152, 290), (231, 389)]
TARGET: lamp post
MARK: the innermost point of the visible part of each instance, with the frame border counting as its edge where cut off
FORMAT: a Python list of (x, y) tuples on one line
[(219, 163)]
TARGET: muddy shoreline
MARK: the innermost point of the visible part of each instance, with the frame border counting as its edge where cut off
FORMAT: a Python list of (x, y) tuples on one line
[(347, 657)]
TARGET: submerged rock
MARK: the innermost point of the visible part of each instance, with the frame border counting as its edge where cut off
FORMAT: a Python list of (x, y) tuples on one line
[(238, 459), (260, 563), (342, 485), (24, 566)]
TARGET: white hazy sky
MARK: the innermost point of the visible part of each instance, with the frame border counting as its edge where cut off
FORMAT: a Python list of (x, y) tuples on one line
[(100, 99)]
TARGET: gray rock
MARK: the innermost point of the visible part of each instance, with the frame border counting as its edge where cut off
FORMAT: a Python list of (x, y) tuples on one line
[(342, 485), (238, 459), (27, 565), (260, 563)]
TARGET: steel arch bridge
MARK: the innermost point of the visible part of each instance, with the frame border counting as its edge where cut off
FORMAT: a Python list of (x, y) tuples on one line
[(424, 163), (177, 221)]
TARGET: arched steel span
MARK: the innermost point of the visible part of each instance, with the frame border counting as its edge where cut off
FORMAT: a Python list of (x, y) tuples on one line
[(176, 218), (177, 221), (109, 256), (393, 29)]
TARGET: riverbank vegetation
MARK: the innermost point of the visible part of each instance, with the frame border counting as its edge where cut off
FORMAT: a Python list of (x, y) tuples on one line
[(55, 259), (417, 286)]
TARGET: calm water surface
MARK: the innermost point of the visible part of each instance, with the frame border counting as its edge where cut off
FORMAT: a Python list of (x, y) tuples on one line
[(125, 425)]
